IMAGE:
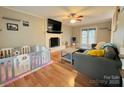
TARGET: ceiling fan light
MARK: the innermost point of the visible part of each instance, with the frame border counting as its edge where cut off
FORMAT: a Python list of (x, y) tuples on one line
[(72, 21)]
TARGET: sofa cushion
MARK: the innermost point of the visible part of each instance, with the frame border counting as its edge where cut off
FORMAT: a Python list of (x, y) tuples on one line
[(110, 53), (99, 45)]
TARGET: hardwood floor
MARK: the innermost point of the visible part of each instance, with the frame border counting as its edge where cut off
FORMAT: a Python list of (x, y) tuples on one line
[(57, 74)]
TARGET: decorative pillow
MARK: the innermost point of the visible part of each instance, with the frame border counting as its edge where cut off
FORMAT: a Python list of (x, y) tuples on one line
[(98, 53), (99, 45), (85, 52), (110, 53)]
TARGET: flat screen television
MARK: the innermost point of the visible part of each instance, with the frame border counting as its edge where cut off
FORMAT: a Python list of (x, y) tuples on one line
[(53, 26)]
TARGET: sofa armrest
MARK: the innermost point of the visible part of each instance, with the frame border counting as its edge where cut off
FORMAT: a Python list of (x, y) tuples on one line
[(96, 67)]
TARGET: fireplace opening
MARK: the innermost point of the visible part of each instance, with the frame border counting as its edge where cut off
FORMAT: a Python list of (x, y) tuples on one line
[(54, 42)]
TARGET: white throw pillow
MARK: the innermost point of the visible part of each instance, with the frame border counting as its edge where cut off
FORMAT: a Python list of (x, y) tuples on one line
[(98, 46)]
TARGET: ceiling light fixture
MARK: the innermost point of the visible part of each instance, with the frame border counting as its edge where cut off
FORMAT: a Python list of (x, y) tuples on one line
[(72, 21)]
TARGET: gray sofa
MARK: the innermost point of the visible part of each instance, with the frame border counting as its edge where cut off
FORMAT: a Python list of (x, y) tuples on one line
[(103, 70)]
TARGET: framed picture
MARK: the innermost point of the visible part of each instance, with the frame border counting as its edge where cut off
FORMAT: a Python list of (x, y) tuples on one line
[(12, 27), (25, 23)]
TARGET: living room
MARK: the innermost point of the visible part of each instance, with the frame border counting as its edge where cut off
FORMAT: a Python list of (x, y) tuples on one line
[(24, 29)]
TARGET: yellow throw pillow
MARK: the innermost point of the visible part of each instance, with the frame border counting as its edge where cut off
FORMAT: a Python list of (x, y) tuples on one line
[(97, 53)]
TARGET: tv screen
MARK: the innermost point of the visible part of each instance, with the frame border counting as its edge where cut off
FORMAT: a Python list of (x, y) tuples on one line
[(53, 26)]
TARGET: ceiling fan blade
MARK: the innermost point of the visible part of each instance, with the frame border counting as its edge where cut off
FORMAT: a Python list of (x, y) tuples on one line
[(80, 16), (79, 19)]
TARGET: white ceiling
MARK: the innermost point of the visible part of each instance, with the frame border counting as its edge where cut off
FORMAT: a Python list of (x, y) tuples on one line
[(92, 14)]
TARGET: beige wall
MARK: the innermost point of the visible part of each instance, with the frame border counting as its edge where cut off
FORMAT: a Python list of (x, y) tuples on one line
[(102, 34), (67, 34), (76, 33), (118, 35), (32, 35)]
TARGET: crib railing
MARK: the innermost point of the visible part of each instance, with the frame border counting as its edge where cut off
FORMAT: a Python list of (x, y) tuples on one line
[(6, 69), (13, 67)]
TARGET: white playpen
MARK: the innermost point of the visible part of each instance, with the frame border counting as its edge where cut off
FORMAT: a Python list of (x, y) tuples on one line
[(13, 67)]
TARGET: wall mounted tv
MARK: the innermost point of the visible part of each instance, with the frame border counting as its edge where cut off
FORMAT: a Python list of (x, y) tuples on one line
[(54, 26)]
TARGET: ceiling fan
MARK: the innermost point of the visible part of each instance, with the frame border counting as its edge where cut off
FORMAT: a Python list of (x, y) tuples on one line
[(70, 15), (73, 18)]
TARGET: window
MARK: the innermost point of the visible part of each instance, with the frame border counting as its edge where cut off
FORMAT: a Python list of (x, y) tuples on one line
[(88, 37)]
